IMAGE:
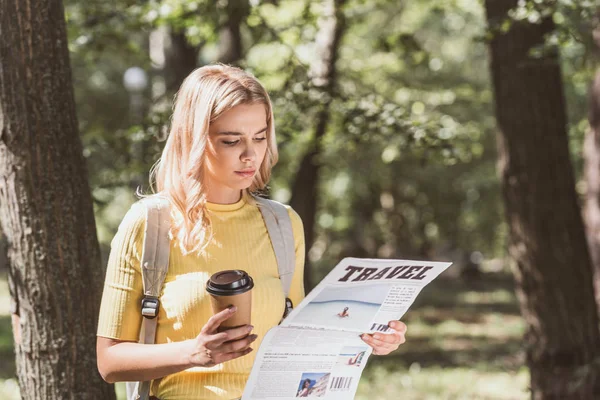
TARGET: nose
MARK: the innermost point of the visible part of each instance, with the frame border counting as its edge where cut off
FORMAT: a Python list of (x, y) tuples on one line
[(249, 153)]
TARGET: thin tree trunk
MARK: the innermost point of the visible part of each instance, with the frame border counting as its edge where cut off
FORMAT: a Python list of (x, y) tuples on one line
[(230, 37), (323, 75), (46, 208), (181, 59), (591, 173), (547, 238)]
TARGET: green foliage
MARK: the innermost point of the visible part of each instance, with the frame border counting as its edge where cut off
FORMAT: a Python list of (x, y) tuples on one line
[(409, 156), (408, 161), (410, 130), (414, 137)]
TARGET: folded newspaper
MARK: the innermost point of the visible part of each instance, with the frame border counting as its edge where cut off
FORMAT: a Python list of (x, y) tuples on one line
[(317, 350)]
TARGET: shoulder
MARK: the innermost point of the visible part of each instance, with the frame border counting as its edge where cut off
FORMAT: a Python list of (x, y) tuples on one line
[(132, 226), (135, 218), (137, 213), (296, 220), (297, 226)]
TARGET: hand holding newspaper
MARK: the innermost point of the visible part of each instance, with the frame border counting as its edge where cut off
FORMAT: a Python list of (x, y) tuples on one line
[(317, 350)]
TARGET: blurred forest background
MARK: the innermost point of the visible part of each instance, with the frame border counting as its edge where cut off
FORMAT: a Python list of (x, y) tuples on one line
[(385, 116)]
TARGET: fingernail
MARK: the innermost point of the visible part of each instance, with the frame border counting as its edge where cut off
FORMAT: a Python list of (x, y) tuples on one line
[(250, 327), (254, 337), (376, 336), (232, 309)]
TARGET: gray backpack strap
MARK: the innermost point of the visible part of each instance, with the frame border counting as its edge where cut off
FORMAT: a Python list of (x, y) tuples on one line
[(279, 226), (155, 263)]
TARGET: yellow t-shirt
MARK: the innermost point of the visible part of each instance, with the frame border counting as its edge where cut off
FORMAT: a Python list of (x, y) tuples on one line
[(240, 241)]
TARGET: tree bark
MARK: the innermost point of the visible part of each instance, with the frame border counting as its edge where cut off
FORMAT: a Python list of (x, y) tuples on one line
[(323, 75), (547, 238), (46, 208), (591, 170), (591, 174)]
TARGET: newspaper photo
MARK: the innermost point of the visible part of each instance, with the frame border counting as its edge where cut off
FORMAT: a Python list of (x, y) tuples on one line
[(317, 350)]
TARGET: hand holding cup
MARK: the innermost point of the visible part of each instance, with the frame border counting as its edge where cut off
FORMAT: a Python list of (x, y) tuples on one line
[(212, 347)]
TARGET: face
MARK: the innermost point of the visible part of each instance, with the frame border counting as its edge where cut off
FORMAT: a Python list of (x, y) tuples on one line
[(235, 151)]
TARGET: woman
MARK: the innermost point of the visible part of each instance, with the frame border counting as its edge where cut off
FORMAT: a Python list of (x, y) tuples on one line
[(344, 313), (305, 389), (220, 149)]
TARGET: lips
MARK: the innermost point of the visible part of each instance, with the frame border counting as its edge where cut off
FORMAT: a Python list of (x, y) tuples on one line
[(246, 173)]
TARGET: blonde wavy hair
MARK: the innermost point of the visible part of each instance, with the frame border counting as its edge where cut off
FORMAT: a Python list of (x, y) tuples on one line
[(178, 175)]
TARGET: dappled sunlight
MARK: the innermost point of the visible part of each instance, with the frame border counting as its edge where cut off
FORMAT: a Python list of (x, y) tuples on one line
[(501, 296), (397, 130), (464, 341), (4, 296), (9, 389), (488, 326), (416, 383)]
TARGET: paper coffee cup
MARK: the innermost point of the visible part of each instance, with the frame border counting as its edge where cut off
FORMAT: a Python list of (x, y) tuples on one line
[(231, 288)]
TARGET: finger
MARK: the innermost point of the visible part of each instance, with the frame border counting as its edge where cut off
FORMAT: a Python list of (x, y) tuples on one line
[(378, 345), (216, 320), (398, 326), (214, 341), (221, 358), (237, 345), (392, 338), (239, 332), (377, 350), (381, 338)]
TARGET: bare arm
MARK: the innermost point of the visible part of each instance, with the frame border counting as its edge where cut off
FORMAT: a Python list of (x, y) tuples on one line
[(128, 361)]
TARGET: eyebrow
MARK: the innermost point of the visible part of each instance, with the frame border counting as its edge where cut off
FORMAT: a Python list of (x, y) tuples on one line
[(240, 134)]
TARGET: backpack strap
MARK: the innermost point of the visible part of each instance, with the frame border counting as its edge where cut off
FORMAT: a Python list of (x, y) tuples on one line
[(155, 263), (279, 226)]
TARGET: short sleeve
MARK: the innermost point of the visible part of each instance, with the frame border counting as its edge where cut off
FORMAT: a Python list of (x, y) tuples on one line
[(120, 316), (297, 288)]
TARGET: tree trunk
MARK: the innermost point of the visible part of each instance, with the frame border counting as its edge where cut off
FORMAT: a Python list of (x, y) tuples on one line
[(230, 37), (547, 238), (323, 75), (46, 208), (591, 173), (181, 59)]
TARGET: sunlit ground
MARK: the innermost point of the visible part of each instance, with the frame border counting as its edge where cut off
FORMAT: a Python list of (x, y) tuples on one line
[(464, 342)]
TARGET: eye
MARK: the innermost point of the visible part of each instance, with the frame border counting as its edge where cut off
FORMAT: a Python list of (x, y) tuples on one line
[(230, 143), (260, 139)]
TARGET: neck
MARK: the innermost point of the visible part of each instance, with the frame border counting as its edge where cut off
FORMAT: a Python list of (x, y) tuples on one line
[(229, 197)]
